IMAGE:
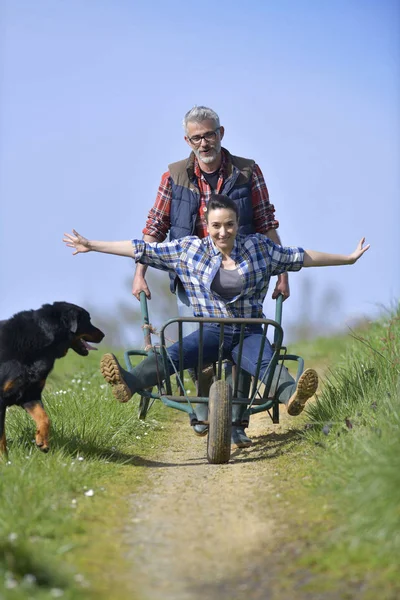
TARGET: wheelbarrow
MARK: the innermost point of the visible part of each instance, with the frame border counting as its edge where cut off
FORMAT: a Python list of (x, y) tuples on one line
[(222, 394)]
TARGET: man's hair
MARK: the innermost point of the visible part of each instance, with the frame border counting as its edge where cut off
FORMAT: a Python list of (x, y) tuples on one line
[(221, 201), (197, 114)]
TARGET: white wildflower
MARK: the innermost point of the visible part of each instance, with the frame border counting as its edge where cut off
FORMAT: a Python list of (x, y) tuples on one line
[(10, 582), (89, 493), (29, 579)]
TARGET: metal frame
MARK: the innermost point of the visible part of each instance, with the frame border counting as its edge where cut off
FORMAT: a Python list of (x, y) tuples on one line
[(256, 402)]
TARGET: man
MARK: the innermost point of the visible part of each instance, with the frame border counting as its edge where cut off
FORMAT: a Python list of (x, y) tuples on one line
[(186, 187), (182, 199)]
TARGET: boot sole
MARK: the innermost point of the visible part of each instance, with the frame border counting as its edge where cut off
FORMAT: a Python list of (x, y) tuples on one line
[(240, 442), (111, 372), (306, 387), (200, 433), (241, 445)]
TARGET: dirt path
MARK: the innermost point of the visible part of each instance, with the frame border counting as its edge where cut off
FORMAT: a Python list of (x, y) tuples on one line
[(204, 531)]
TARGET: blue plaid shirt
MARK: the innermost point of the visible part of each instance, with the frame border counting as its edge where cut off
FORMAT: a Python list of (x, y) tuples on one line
[(196, 262)]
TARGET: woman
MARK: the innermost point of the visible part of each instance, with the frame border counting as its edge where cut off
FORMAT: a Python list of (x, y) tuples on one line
[(224, 275)]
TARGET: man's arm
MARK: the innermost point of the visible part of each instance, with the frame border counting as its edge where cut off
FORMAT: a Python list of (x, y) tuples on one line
[(155, 230), (282, 284), (265, 223), (139, 283)]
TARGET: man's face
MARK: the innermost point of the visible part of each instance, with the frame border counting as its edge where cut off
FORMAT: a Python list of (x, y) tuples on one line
[(208, 148)]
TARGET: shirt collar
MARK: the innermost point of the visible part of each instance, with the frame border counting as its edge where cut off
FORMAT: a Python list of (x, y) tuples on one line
[(235, 254)]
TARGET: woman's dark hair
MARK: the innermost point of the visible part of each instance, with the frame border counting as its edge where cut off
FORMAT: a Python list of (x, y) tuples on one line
[(221, 201)]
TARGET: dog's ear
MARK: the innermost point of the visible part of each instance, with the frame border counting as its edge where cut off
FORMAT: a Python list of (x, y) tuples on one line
[(73, 324), (70, 318)]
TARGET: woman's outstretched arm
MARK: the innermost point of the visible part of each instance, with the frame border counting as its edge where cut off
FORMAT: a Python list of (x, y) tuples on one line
[(81, 244), (312, 258)]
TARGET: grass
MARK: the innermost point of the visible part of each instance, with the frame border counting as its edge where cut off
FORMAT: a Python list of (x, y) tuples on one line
[(55, 535), (353, 433), (62, 514)]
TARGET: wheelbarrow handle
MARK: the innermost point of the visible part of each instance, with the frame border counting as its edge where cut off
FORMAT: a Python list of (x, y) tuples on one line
[(278, 309), (278, 313), (145, 312), (143, 307), (145, 319)]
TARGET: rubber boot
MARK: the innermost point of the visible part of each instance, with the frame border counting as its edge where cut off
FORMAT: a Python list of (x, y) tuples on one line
[(202, 415), (282, 384), (293, 395), (238, 437), (207, 377), (305, 388), (124, 383)]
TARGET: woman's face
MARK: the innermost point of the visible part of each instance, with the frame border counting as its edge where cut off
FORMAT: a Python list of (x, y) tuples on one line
[(222, 227)]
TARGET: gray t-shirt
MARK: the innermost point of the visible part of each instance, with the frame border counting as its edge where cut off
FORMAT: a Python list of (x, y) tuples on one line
[(227, 283)]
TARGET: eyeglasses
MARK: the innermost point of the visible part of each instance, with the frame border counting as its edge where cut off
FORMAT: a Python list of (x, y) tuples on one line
[(209, 136)]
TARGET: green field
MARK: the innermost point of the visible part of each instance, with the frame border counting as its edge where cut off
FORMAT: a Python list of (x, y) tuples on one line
[(61, 514)]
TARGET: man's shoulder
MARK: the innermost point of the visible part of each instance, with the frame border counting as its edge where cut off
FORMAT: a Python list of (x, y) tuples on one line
[(239, 161), (179, 164), (179, 171)]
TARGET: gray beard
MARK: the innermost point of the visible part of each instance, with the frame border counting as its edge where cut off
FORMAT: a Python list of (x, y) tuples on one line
[(208, 159)]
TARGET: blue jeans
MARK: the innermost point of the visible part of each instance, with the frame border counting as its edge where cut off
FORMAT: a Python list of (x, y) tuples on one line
[(185, 310), (211, 332), (147, 373)]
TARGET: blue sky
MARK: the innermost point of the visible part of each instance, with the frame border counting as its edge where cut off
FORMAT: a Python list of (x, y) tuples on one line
[(92, 98)]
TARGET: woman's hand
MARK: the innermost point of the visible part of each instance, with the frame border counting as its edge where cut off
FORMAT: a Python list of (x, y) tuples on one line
[(77, 241), (313, 258), (359, 251)]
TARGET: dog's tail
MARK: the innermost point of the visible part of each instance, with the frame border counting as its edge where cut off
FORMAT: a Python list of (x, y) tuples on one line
[(13, 377)]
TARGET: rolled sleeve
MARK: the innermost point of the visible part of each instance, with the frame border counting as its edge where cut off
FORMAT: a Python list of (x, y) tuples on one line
[(263, 210), (163, 256), (285, 258), (158, 220)]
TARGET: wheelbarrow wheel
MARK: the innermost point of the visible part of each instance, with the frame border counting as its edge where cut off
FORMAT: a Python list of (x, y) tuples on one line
[(220, 423), (144, 404)]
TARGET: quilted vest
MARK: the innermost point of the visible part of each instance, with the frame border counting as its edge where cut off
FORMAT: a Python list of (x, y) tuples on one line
[(186, 194)]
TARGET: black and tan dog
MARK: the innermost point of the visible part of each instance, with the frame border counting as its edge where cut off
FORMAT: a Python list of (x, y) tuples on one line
[(30, 342)]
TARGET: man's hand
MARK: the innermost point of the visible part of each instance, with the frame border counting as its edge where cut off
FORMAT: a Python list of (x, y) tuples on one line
[(140, 285), (139, 282), (282, 287)]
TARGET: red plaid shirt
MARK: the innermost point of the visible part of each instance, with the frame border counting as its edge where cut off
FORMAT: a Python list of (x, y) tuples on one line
[(158, 220)]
